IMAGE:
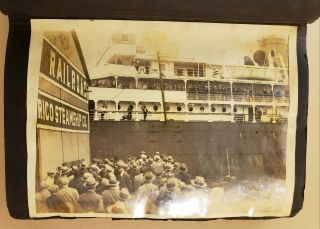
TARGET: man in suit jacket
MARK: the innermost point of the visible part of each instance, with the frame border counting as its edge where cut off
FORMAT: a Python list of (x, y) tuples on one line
[(125, 180)]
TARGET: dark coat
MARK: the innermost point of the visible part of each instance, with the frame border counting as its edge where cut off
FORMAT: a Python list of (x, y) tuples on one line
[(125, 181), (184, 177)]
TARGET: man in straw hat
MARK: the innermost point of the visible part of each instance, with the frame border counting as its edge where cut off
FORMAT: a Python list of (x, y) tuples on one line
[(110, 195), (199, 183), (148, 189), (121, 206), (124, 178), (81, 186), (67, 195), (90, 201)]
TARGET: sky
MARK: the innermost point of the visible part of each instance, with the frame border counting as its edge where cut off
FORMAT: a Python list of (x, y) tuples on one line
[(206, 42)]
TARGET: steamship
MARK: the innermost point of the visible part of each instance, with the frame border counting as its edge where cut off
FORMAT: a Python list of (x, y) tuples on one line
[(204, 114), (128, 77)]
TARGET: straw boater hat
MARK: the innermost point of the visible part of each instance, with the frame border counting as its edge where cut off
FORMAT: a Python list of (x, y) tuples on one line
[(158, 153), (199, 182), (171, 184), (91, 183), (148, 177), (86, 176), (124, 194), (113, 181)]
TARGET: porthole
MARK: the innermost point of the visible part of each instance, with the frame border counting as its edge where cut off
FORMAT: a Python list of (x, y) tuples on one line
[(202, 109), (235, 110), (119, 107), (190, 109), (224, 109), (179, 108), (213, 109), (155, 108)]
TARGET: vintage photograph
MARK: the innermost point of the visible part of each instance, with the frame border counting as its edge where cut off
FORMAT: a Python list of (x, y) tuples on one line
[(141, 119)]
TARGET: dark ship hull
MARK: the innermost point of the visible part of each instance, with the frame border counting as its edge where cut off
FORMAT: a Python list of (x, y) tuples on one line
[(214, 150)]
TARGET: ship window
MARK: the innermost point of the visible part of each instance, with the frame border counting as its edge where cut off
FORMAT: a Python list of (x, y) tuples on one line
[(119, 107), (202, 109), (190, 109), (167, 107), (179, 72), (213, 109), (155, 108), (190, 72), (224, 109), (179, 108), (235, 110)]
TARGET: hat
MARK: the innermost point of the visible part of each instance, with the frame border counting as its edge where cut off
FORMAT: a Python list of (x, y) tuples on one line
[(91, 183), (109, 169), (104, 183), (86, 176), (117, 210), (148, 177), (63, 181), (199, 182), (158, 170), (83, 165), (169, 158), (183, 168), (125, 166), (134, 165), (50, 172), (142, 152), (171, 184), (176, 164), (124, 194), (157, 158), (64, 170), (168, 167), (157, 153), (113, 181), (120, 163), (74, 167), (44, 185)]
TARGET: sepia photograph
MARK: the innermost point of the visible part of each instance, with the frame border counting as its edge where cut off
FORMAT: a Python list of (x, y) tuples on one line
[(161, 120)]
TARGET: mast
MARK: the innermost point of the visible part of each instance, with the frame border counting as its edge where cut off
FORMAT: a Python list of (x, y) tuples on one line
[(162, 91)]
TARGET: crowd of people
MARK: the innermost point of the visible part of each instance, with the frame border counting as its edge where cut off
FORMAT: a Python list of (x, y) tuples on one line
[(117, 186)]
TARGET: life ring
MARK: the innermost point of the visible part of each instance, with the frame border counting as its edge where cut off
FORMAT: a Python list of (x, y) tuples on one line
[(142, 70)]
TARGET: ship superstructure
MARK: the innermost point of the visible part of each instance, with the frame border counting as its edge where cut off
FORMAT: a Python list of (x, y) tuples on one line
[(128, 78)]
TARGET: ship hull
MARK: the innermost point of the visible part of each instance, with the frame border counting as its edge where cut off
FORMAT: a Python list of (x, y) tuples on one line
[(213, 150)]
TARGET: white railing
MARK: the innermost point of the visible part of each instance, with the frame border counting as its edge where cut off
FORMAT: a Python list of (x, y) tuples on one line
[(188, 116)]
